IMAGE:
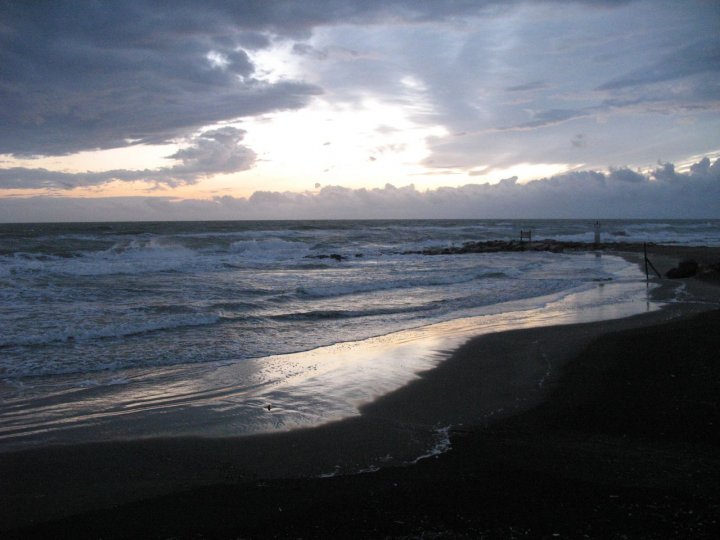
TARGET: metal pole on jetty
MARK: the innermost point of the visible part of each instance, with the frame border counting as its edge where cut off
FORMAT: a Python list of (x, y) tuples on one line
[(647, 262)]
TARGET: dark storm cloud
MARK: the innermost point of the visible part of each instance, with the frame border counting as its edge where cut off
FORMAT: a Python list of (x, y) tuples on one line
[(74, 96), (79, 76), (85, 75), (212, 152)]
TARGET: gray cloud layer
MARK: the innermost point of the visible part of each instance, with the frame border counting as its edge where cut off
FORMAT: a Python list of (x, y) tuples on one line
[(211, 152), (84, 75), (620, 193), (519, 82), (591, 82)]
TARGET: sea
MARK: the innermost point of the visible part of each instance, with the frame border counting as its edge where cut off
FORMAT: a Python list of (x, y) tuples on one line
[(133, 330)]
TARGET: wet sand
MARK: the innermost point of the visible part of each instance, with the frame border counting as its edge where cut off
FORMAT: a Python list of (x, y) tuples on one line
[(614, 430)]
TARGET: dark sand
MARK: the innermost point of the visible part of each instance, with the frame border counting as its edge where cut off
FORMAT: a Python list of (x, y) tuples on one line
[(613, 433)]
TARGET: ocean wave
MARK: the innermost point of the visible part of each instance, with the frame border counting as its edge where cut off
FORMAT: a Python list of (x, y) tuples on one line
[(328, 314), (123, 258), (85, 332), (245, 291), (326, 291), (670, 233), (270, 248), (156, 255)]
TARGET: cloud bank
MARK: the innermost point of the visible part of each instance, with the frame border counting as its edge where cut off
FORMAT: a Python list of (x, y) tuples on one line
[(620, 193), (211, 152)]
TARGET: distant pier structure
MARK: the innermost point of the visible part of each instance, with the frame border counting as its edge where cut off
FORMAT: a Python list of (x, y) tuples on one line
[(597, 233), (526, 235)]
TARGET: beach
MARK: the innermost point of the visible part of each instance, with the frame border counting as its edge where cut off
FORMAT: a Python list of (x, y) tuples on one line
[(613, 432), (357, 269)]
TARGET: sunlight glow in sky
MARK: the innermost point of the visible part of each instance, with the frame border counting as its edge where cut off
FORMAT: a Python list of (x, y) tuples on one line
[(293, 97)]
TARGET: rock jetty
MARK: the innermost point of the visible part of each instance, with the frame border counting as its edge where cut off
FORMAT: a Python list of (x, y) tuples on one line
[(554, 246)]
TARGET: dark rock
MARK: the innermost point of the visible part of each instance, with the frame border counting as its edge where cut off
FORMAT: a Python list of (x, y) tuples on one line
[(554, 246), (685, 269), (333, 256)]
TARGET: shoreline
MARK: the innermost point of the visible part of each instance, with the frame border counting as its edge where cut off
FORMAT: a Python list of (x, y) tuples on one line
[(304, 389), (51, 483)]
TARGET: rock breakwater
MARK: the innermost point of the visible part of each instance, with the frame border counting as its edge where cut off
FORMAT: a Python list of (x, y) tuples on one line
[(554, 246)]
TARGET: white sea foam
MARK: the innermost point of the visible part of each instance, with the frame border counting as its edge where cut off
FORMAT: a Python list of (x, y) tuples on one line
[(442, 444), (128, 260)]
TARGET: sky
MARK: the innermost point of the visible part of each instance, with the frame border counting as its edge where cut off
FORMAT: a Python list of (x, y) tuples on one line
[(262, 109)]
